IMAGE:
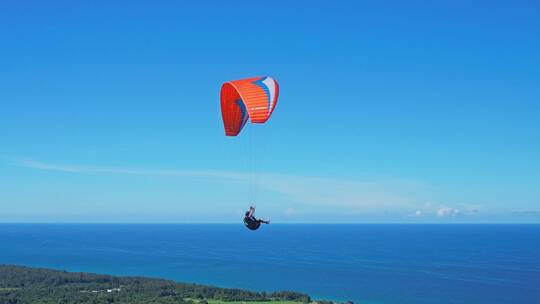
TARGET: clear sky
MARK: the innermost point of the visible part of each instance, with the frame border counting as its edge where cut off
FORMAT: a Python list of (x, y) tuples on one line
[(409, 111)]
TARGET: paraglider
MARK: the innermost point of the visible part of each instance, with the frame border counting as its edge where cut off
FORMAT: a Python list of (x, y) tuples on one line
[(252, 99), (251, 222)]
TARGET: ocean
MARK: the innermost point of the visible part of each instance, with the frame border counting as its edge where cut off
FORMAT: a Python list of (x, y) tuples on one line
[(371, 264)]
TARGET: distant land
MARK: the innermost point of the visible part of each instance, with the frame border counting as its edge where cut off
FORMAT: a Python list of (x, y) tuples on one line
[(19, 284)]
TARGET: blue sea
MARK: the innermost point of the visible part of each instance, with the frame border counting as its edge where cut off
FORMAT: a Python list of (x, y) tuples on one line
[(375, 264)]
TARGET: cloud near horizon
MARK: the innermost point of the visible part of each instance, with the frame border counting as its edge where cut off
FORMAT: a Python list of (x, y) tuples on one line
[(395, 195)]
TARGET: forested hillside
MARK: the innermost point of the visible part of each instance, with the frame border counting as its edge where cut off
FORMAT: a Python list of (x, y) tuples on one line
[(33, 285)]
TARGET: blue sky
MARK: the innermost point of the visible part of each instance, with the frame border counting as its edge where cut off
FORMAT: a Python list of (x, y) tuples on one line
[(388, 111)]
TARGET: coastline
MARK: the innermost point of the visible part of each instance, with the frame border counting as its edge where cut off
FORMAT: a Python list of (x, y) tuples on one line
[(24, 284)]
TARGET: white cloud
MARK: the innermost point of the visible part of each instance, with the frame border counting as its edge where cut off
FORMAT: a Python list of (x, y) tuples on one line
[(81, 169), (430, 209), (416, 214), (356, 195), (359, 196), (447, 212)]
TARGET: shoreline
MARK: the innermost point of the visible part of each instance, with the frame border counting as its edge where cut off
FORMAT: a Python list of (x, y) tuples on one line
[(23, 282)]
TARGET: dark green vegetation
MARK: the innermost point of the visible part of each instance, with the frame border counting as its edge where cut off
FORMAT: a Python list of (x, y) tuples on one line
[(33, 285)]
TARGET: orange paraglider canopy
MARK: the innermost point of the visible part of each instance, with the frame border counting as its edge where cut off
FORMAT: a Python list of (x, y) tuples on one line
[(251, 98)]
